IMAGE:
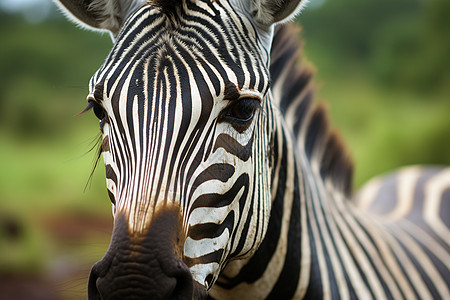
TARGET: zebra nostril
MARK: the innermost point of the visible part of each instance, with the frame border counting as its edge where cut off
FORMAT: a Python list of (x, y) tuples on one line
[(184, 285), (93, 292)]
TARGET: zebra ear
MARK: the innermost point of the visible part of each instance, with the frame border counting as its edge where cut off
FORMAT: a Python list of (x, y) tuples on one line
[(268, 12), (100, 14)]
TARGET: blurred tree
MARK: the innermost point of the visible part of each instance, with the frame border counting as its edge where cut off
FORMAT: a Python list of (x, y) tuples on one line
[(413, 52), (405, 43), (346, 26), (382, 66), (43, 67)]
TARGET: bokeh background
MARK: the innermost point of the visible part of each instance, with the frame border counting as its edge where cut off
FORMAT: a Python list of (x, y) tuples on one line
[(383, 67)]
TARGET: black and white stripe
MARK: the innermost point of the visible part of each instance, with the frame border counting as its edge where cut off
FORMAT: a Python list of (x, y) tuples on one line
[(391, 241), (164, 94), (265, 199)]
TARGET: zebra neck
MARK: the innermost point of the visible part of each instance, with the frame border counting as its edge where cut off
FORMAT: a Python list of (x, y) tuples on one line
[(294, 256), (318, 244), (307, 159), (285, 264), (307, 252)]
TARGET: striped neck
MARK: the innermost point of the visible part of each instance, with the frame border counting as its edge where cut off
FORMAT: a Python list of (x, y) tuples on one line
[(320, 244), (288, 262), (305, 187)]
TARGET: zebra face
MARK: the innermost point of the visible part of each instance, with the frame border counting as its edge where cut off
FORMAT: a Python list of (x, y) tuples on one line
[(183, 111), (184, 106)]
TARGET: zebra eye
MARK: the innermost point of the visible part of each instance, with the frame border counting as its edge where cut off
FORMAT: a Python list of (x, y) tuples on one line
[(98, 110), (243, 110), (241, 113)]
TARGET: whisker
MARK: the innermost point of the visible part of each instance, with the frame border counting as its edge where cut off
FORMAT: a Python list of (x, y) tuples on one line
[(79, 87), (92, 143), (98, 145)]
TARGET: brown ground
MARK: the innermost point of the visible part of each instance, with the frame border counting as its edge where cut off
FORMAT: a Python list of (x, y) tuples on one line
[(77, 241)]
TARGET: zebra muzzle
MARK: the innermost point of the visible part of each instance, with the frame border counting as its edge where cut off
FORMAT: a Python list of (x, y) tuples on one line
[(145, 265)]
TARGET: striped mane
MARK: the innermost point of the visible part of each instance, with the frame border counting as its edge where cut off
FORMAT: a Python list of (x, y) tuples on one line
[(167, 7), (293, 92)]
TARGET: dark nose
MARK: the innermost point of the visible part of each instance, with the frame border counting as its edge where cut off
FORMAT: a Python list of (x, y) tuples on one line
[(139, 281), (144, 266)]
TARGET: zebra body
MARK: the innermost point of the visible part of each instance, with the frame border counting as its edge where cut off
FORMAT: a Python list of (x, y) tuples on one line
[(226, 179)]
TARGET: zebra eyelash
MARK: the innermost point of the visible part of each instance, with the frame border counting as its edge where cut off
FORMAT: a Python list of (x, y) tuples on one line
[(96, 107), (98, 148), (86, 109)]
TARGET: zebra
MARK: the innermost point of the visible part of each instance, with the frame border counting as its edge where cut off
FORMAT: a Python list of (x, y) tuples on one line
[(226, 179)]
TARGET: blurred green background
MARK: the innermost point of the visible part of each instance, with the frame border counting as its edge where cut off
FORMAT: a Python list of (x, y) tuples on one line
[(383, 67)]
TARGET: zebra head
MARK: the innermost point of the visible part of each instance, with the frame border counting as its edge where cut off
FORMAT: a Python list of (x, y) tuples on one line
[(184, 105)]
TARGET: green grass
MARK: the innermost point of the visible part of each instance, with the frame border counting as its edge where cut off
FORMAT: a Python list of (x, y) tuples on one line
[(50, 175)]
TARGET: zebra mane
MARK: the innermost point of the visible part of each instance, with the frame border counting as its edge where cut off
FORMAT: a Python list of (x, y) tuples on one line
[(167, 7), (293, 92)]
